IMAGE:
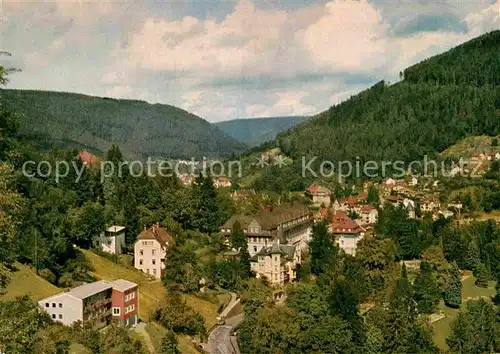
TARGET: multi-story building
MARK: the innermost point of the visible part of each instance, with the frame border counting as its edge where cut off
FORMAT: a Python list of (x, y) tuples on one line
[(112, 240), (318, 194), (96, 304), (347, 233), (125, 302), (288, 222), (277, 263), (150, 250)]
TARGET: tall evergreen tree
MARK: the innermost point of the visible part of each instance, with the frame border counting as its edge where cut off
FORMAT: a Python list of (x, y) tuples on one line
[(475, 330), (482, 275), (426, 289), (472, 258), (239, 241), (322, 248), (453, 293), (401, 316)]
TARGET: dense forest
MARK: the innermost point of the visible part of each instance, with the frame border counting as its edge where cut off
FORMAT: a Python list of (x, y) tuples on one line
[(256, 131), (68, 120), (436, 103)]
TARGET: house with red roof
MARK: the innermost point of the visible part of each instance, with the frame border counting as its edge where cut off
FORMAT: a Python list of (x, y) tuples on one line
[(150, 250), (318, 194), (87, 158), (347, 233)]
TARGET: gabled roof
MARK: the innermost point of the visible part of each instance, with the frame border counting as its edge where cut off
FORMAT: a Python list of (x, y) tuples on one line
[(270, 218), (315, 189), (158, 233), (288, 251), (341, 223)]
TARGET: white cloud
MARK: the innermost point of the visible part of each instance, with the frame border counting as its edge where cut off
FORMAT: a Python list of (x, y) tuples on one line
[(289, 61)]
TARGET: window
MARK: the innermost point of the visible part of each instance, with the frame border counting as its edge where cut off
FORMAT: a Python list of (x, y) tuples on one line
[(53, 316), (141, 252), (60, 305), (140, 261), (275, 258), (154, 271), (116, 311), (53, 304), (255, 248), (154, 261), (47, 304), (153, 252), (60, 316), (147, 271)]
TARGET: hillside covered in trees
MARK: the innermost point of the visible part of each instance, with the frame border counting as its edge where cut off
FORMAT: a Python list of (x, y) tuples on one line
[(258, 130), (71, 120), (437, 102)]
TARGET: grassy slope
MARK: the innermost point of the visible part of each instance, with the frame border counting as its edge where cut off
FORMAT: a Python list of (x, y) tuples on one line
[(465, 147), (470, 291), (25, 282)]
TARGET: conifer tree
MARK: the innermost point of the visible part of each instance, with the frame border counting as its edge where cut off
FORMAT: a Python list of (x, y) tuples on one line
[(426, 289), (453, 293), (322, 248), (472, 257), (482, 275), (401, 315), (239, 242)]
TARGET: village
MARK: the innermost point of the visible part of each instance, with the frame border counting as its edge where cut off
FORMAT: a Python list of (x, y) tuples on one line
[(277, 238)]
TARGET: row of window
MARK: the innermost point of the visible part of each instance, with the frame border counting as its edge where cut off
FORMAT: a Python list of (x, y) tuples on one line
[(129, 308), (148, 243), (153, 262), (141, 252), (154, 271), (130, 296), (53, 305), (60, 316)]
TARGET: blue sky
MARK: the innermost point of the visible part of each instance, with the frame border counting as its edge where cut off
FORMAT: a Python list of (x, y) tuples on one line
[(230, 59)]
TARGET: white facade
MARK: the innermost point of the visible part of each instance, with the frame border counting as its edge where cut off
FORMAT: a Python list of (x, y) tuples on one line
[(349, 243), (112, 240), (149, 257), (275, 266), (63, 308)]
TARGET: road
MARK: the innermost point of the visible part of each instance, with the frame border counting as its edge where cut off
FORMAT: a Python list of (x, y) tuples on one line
[(219, 341)]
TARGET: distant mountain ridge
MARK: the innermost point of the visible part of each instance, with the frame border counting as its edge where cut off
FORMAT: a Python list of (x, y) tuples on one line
[(254, 131), (71, 120)]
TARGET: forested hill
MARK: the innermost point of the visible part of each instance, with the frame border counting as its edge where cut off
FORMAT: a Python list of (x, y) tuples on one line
[(256, 131), (439, 101), (140, 129)]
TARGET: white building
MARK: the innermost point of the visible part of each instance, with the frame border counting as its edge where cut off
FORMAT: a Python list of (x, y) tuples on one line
[(150, 250), (112, 240), (277, 263)]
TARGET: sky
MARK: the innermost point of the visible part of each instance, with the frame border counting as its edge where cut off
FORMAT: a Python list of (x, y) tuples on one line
[(225, 59)]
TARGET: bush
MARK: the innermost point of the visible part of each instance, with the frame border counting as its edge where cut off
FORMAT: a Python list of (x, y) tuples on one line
[(48, 275)]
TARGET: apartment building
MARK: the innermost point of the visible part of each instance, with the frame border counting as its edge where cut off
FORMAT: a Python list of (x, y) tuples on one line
[(97, 304)]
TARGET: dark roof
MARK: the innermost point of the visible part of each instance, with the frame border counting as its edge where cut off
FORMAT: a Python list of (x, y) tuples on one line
[(276, 248), (270, 218), (157, 233)]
